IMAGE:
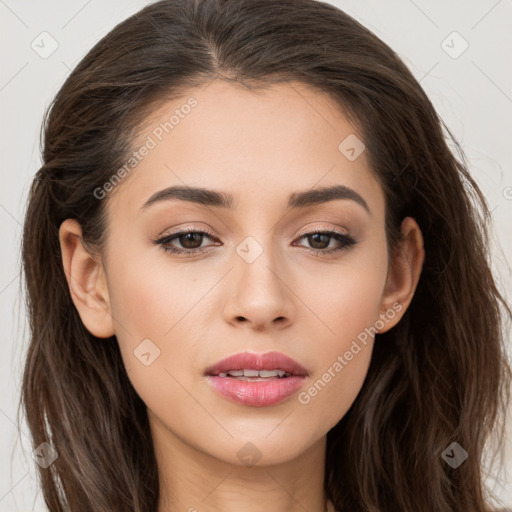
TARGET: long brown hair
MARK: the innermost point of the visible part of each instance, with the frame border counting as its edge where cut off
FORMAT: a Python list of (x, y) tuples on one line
[(440, 376)]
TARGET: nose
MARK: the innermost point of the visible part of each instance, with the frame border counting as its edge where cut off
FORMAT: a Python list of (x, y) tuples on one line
[(260, 296)]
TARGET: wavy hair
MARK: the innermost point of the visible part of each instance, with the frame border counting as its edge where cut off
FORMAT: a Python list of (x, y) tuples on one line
[(440, 376)]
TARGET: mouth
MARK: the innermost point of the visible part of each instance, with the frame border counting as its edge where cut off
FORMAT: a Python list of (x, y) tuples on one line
[(255, 375), (256, 380)]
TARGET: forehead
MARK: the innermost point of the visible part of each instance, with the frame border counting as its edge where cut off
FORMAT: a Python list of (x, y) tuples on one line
[(259, 145)]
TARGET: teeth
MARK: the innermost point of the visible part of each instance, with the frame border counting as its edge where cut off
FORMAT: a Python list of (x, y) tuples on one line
[(236, 373), (269, 373), (254, 373), (251, 373)]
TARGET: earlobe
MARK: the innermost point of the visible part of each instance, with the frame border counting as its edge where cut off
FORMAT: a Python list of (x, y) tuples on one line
[(404, 272), (86, 281)]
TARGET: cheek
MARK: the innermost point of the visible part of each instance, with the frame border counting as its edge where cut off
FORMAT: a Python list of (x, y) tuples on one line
[(345, 297), (150, 296), (347, 306)]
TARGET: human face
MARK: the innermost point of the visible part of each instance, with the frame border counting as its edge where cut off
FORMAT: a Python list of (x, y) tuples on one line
[(258, 286)]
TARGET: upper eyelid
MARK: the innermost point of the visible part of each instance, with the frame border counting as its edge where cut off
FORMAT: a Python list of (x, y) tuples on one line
[(192, 229), (324, 229)]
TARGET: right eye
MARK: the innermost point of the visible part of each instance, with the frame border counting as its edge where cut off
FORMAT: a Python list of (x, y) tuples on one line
[(188, 239)]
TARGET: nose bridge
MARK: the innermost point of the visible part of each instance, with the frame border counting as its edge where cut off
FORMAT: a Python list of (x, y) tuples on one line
[(260, 294), (257, 261)]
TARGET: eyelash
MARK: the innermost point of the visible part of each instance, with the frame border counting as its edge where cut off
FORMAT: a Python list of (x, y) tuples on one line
[(347, 242)]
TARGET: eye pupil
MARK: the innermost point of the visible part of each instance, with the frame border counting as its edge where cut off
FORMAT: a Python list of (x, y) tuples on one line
[(189, 239), (316, 240)]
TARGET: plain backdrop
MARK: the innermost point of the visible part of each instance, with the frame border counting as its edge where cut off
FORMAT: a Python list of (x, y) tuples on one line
[(460, 51)]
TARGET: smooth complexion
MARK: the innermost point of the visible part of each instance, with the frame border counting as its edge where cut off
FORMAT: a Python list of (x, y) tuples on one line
[(260, 148)]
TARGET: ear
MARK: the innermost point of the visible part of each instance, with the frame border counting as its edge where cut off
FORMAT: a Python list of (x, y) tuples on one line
[(86, 281), (403, 274)]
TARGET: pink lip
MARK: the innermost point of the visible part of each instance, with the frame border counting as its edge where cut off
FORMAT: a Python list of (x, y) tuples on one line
[(257, 393)]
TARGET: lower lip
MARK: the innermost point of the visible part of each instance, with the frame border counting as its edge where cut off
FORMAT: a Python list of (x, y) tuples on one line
[(256, 393)]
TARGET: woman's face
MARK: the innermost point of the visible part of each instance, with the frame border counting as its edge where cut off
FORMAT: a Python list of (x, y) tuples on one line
[(263, 280)]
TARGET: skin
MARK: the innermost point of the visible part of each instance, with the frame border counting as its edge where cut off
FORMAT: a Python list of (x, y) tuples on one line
[(260, 147)]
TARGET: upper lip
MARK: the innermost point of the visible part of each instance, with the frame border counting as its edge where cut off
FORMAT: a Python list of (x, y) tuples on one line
[(253, 361)]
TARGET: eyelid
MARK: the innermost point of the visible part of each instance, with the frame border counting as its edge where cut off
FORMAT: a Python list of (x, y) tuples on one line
[(306, 231), (191, 228), (317, 229)]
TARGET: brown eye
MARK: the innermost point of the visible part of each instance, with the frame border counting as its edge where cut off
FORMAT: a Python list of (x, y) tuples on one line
[(190, 242), (319, 241)]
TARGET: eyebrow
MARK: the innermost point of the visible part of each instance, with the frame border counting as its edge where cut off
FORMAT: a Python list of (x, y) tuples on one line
[(209, 197)]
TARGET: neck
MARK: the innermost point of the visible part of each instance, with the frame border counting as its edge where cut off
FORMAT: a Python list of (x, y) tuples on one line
[(194, 481)]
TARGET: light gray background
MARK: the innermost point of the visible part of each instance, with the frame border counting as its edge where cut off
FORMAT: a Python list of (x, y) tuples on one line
[(473, 94)]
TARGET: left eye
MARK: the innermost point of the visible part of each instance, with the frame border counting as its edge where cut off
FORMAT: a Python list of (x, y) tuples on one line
[(191, 242), (320, 240)]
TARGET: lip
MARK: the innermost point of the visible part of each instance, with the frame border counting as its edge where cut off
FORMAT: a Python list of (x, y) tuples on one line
[(251, 360), (257, 393)]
